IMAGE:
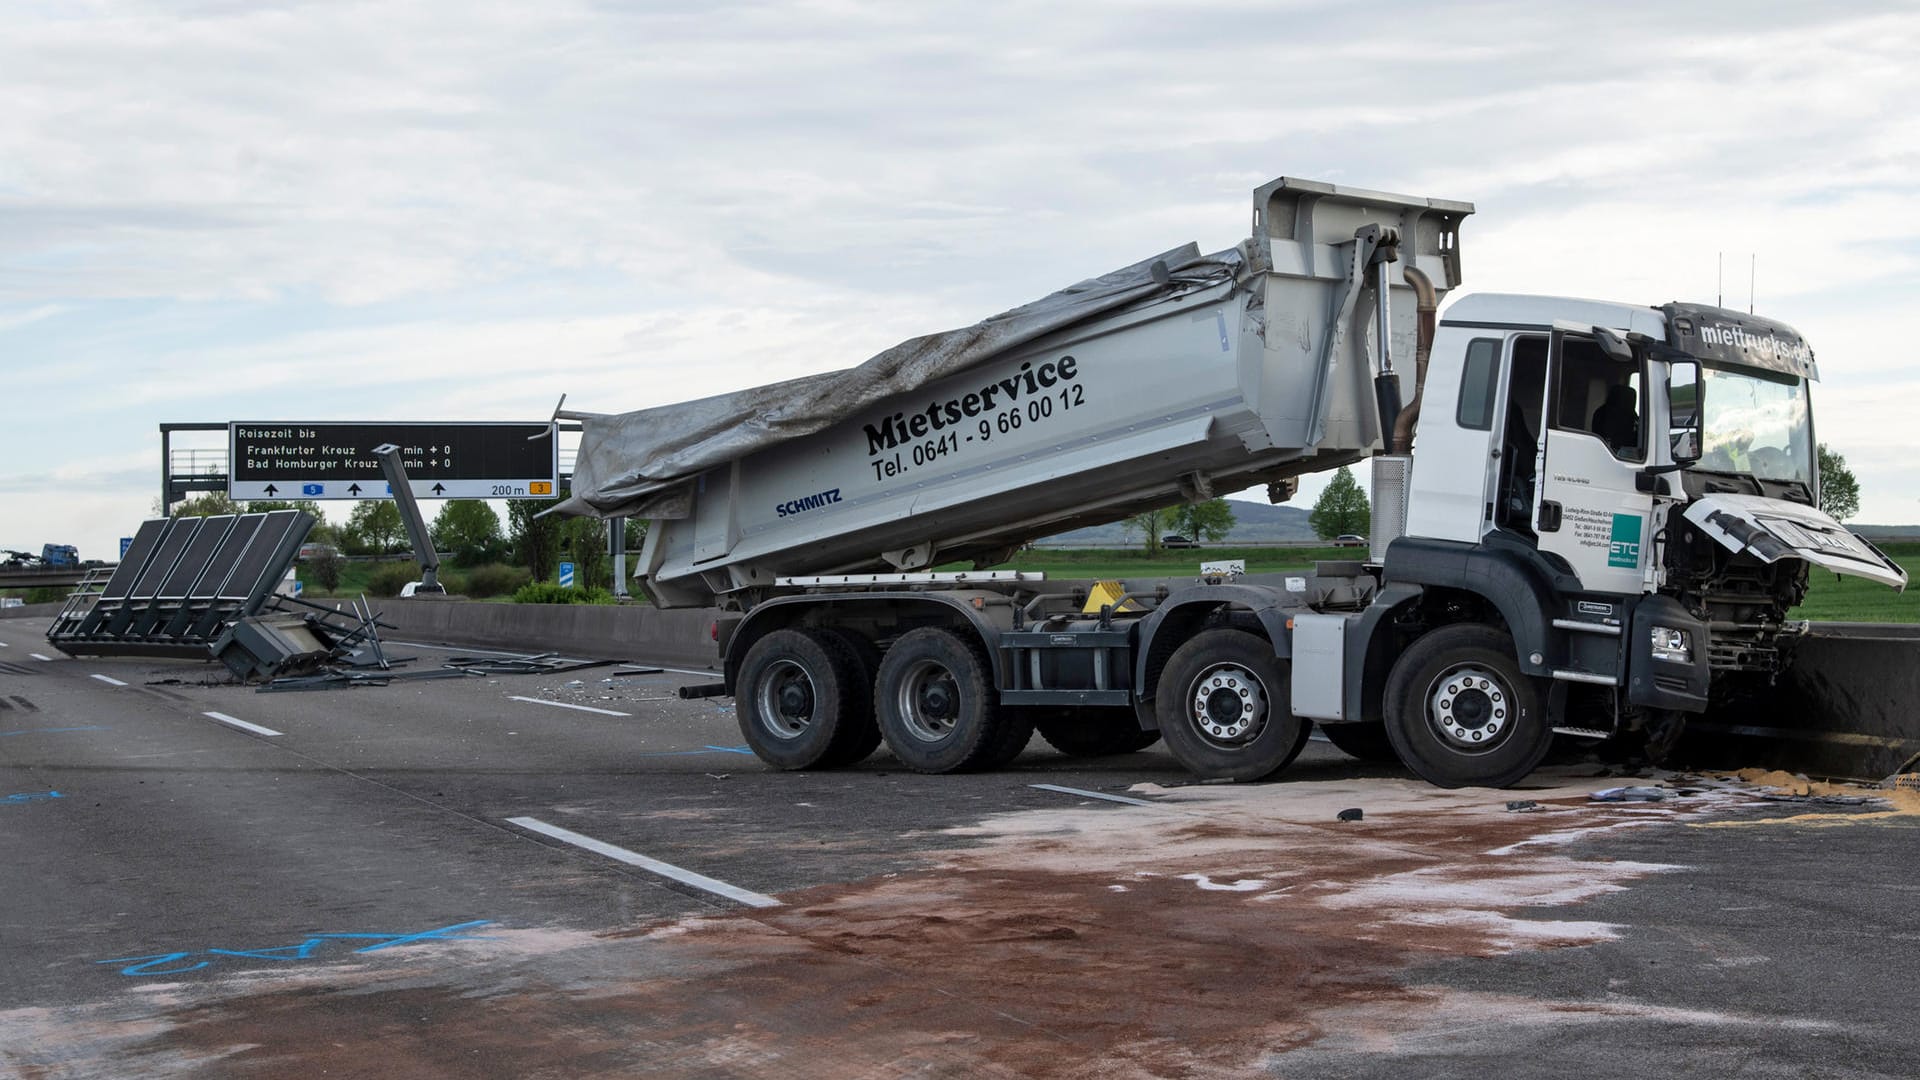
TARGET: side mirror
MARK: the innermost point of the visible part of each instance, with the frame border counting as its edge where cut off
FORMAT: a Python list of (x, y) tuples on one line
[(1683, 410)]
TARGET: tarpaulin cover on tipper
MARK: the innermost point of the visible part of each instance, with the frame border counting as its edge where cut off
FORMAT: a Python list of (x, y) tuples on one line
[(630, 464)]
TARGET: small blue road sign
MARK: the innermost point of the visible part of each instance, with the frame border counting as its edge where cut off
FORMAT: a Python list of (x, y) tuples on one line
[(566, 575)]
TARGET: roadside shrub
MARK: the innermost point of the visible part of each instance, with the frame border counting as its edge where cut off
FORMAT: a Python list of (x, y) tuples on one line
[(326, 568), (495, 579), (546, 592), (388, 578)]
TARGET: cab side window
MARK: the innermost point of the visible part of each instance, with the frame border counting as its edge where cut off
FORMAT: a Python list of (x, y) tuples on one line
[(1600, 396), (1479, 378)]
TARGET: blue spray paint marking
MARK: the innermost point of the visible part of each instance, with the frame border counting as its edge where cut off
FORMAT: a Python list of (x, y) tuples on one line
[(47, 730), (699, 753), (388, 941), (32, 796), (157, 963)]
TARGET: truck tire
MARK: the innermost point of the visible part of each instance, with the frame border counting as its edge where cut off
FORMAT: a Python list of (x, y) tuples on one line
[(794, 695), (938, 709), (1460, 712), (1223, 702), (1086, 733), (1368, 742), (859, 733), (1016, 731)]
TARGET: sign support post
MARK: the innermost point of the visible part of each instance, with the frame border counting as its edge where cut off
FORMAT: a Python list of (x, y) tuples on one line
[(429, 559)]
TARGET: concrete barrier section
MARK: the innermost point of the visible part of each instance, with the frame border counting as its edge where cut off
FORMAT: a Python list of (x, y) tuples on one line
[(632, 632)]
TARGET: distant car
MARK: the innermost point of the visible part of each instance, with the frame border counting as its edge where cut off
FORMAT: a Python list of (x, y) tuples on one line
[(316, 551), (1174, 540), (1349, 540)]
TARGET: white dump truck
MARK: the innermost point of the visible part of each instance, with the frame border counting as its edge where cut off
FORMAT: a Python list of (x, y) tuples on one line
[(1587, 515)]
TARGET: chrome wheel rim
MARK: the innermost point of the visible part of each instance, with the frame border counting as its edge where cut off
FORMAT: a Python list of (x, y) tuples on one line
[(1470, 707), (1228, 706), (928, 701), (784, 699)]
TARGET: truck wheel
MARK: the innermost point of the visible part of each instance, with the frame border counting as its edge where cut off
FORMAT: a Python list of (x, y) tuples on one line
[(859, 733), (1368, 742), (794, 693), (1094, 732), (1016, 731), (936, 702), (1223, 703), (1460, 712)]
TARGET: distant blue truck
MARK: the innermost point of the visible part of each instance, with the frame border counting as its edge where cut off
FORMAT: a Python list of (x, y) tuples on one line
[(59, 555)]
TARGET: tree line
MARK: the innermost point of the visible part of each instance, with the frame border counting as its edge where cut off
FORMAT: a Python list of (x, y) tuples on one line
[(468, 531)]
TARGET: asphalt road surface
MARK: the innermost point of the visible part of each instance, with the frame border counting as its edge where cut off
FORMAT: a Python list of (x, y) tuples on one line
[(581, 875)]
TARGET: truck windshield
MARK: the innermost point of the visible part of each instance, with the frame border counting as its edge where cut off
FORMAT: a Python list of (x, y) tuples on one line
[(1756, 422)]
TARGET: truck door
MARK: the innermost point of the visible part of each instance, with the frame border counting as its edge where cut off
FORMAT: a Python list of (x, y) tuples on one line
[(1587, 506)]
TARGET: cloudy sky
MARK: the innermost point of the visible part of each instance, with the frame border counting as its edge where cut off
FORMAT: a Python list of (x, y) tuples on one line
[(221, 211)]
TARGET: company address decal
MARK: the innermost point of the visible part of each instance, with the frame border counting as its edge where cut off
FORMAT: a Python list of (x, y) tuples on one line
[(1032, 395)]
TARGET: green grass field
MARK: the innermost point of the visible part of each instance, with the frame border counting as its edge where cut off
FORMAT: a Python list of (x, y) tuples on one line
[(1829, 598), (1108, 563)]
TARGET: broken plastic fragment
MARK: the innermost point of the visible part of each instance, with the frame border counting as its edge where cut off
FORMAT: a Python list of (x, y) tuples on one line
[(1629, 794)]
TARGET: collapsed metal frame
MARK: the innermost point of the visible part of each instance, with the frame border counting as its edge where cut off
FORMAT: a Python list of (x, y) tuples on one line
[(182, 586)]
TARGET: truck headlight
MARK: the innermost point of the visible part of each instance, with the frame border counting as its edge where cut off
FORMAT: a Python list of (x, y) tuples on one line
[(1672, 644)]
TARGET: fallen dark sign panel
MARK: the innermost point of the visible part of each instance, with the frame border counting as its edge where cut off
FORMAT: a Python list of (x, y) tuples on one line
[(183, 586), (444, 460)]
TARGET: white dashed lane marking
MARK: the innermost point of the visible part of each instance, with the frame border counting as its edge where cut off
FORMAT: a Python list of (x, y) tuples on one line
[(1092, 794), (634, 858), (567, 705), (241, 724)]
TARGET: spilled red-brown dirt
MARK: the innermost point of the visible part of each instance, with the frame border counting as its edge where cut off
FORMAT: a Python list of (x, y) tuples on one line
[(1192, 943)]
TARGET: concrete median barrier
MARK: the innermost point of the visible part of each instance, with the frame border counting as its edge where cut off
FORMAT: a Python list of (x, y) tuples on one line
[(616, 632), (1849, 707)]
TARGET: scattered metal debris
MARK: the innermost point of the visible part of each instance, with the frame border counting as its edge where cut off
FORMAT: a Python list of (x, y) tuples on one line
[(533, 664), (355, 657), (1523, 806)]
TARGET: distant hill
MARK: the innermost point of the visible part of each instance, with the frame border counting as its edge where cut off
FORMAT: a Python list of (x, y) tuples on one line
[(1253, 523)]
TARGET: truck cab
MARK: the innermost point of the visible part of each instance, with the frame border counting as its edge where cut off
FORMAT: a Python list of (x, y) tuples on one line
[(1625, 497)]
